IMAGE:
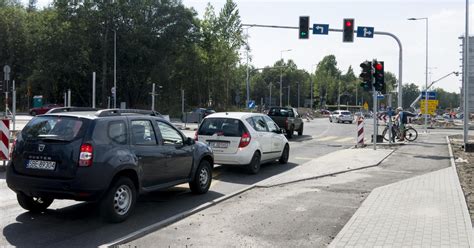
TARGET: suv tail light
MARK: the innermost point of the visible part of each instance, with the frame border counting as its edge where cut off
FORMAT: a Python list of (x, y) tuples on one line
[(196, 136), (85, 157), (244, 140)]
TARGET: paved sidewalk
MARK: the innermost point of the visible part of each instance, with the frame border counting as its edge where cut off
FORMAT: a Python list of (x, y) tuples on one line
[(424, 211)]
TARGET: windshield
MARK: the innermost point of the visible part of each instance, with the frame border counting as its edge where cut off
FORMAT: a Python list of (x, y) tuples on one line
[(53, 128), (345, 113), (280, 112)]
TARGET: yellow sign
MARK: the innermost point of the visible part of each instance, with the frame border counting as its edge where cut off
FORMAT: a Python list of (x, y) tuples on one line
[(432, 106), (366, 106)]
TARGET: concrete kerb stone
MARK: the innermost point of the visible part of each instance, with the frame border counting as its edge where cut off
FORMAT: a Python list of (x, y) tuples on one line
[(149, 229), (467, 218)]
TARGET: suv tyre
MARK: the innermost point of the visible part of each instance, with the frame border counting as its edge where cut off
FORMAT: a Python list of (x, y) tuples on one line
[(119, 201), (33, 204), (202, 178)]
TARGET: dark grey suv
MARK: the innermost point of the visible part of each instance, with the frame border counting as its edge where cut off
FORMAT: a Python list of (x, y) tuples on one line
[(109, 156)]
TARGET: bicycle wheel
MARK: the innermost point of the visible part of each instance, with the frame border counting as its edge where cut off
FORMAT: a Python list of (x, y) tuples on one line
[(385, 134), (411, 134)]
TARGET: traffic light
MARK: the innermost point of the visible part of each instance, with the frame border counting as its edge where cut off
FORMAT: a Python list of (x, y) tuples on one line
[(304, 27), (379, 83), (366, 75), (348, 30)]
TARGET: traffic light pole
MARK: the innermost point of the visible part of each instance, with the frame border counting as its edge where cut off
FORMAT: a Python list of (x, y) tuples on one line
[(374, 95), (400, 53)]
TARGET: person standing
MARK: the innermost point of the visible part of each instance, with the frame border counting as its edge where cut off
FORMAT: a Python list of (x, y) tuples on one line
[(402, 118)]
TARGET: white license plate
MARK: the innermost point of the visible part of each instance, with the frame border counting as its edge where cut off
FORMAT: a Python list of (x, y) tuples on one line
[(219, 144), (41, 164)]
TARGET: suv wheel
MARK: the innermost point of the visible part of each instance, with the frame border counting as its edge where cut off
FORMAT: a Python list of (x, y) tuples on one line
[(285, 155), (300, 132), (33, 204), (119, 200), (289, 133), (254, 165), (202, 178)]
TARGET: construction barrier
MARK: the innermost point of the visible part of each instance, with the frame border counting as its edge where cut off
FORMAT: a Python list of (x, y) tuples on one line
[(5, 138), (360, 131)]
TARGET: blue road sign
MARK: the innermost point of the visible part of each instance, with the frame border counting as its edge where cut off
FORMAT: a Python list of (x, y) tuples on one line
[(431, 95), (251, 104), (380, 96), (320, 28), (365, 32)]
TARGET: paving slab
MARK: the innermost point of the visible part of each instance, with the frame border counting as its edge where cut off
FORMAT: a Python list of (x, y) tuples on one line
[(424, 211), (333, 163)]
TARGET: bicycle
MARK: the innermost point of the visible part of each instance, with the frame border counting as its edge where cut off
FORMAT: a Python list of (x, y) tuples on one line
[(410, 133)]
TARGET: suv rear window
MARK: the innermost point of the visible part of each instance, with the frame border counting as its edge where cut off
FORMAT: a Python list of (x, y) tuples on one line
[(221, 126), (345, 113), (280, 112), (53, 127)]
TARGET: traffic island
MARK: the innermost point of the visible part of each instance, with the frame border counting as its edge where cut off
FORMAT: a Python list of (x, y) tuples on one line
[(331, 164)]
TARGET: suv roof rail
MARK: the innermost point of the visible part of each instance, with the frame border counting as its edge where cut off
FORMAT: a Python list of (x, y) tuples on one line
[(71, 109), (116, 112)]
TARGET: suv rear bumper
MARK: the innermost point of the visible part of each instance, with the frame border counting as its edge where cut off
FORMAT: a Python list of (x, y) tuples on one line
[(56, 188), (241, 157)]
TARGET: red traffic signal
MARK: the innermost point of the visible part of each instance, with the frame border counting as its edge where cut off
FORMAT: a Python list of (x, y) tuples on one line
[(378, 66), (348, 30)]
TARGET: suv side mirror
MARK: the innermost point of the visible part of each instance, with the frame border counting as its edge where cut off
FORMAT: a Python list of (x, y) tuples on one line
[(189, 141)]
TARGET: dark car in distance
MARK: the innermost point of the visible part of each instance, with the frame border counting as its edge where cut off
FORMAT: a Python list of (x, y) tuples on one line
[(107, 156), (43, 109), (288, 119)]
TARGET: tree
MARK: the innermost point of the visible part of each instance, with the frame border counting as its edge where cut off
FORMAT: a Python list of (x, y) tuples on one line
[(410, 93)]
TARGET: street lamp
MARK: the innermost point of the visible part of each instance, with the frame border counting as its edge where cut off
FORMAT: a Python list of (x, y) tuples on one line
[(115, 69), (426, 71), (281, 76)]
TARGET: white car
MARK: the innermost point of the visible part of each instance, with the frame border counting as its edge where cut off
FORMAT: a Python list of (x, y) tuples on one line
[(241, 138), (341, 116)]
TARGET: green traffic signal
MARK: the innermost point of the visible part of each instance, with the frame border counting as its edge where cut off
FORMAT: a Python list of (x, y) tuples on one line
[(304, 27)]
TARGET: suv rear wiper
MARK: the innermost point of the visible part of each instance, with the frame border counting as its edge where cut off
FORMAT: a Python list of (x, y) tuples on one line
[(51, 138)]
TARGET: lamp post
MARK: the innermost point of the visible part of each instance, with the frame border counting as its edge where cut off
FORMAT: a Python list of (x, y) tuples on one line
[(312, 86), (115, 69), (426, 71), (281, 77)]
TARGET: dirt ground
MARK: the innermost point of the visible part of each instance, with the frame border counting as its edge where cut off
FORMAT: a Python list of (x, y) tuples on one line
[(465, 167)]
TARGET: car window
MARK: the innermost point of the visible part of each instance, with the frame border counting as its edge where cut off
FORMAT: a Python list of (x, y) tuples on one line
[(272, 126), (53, 127), (117, 132), (259, 124), (346, 112), (143, 133), (279, 112), (221, 126), (169, 135)]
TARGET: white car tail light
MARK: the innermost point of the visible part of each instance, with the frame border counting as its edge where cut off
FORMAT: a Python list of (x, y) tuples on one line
[(244, 140)]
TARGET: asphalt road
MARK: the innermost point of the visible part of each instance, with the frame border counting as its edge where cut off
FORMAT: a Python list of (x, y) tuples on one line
[(69, 223)]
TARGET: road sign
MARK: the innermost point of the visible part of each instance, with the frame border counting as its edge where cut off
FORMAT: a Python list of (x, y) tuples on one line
[(380, 96), (6, 73), (431, 95), (320, 28), (113, 91), (366, 106), (432, 106), (251, 104), (365, 32)]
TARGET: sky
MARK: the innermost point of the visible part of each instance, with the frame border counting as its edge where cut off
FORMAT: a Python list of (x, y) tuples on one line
[(446, 23)]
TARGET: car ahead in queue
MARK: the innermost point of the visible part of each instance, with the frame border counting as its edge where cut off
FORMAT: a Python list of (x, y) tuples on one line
[(246, 139), (287, 118), (109, 156), (341, 116), (43, 109)]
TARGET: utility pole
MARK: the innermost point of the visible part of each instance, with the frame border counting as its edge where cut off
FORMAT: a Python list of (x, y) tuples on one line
[(153, 97), (69, 97), (289, 95), (298, 84), (93, 89)]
